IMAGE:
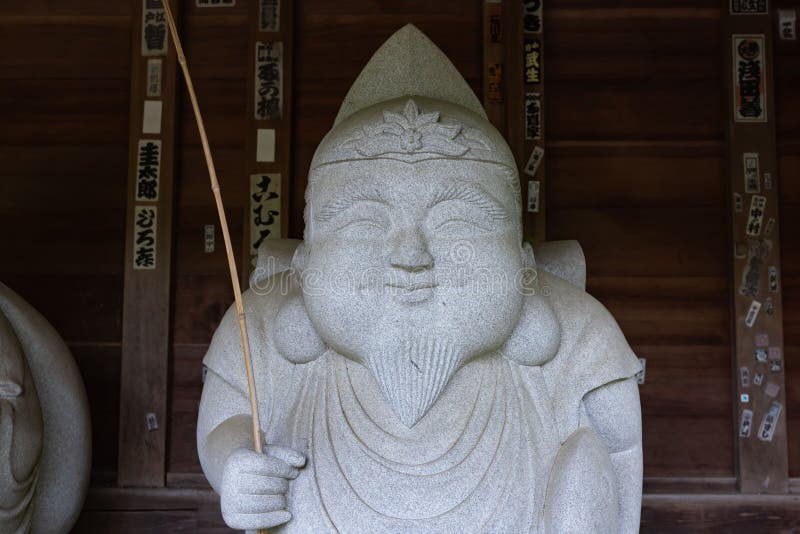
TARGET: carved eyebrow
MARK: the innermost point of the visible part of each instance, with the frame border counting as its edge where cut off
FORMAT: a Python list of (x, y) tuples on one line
[(474, 195), (346, 200)]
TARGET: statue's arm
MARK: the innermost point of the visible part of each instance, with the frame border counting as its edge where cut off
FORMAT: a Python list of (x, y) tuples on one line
[(223, 425), (615, 415), (252, 486)]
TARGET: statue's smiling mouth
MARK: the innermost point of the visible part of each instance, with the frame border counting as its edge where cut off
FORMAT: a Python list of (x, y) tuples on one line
[(411, 293)]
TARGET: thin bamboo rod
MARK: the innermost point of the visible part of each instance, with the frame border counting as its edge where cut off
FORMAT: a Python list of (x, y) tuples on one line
[(212, 173)]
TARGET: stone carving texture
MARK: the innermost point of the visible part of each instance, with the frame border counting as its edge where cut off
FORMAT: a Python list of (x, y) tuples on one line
[(415, 371), (45, 435)]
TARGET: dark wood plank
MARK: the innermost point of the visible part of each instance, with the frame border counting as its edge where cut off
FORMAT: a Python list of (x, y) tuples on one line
[(660, 180), (146, 305), (136, 522), (661, 512), (622, 74), (686, 381), (677, 445), (64, 112), (651, 241), (222, 102), (786, 78), (761, 465), (194, 189), (60, 8), (698, 510), (667, 311), (216, 43), (185, 389), (108, 38), (99, 366), (281, 125), (82, 308), (200, 302), (735, 514)]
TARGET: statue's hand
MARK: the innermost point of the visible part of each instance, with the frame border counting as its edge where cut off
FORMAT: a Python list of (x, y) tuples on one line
[(254, 486)]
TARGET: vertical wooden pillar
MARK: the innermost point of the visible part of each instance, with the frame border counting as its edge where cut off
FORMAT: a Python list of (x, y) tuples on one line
[(524, 76), (494, 63), (148, 243), (269, 120), (758, 362)]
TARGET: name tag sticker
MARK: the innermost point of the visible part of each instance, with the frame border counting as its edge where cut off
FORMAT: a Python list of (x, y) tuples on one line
[(265, 145), (752, 314), (151, 117), (746, 423), (770, 421)]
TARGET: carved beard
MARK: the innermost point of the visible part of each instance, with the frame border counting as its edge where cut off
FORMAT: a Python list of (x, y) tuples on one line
[(413, 371)]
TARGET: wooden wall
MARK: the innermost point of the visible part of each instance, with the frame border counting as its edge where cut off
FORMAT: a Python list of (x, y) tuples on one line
[(787, 101), (216, 50), (64, 93), (635, 166)]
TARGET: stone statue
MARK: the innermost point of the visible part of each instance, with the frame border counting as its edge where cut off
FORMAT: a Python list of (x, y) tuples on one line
[(415, 372), (45, 436)]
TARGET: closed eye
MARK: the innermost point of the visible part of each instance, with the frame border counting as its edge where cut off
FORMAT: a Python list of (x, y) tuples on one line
[(362, 223), (458, 223)]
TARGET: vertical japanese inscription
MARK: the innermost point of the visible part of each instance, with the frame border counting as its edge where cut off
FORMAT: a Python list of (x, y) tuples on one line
[(748, 7), (532, 16), (758, 204), (154, 28), (533, 116), (269, 74), (752, 179), (148, 169), (265, 206), (144, 237), (749, 79), (533, 64), (269, 14), (153, 78)]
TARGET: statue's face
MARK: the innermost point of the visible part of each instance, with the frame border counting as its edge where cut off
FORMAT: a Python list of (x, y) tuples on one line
[(412, 269)]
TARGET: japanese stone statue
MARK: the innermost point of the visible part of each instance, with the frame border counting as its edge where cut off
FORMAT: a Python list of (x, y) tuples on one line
[(415, 371), (45, 437)]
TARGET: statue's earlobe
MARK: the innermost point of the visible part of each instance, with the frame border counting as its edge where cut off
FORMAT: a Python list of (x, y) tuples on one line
[(537, 336), (292, 332)]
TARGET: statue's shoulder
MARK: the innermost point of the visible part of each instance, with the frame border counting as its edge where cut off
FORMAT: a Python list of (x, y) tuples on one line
[(592, 352), (261, 304), (575, 309)]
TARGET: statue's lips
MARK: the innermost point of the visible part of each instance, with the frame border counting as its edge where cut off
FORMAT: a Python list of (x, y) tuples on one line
[(411, 293)]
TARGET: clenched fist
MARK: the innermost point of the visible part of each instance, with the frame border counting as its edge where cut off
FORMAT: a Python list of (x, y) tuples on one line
[(254, 486)]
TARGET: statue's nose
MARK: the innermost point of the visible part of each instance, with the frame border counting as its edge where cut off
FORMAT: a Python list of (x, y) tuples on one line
[(410, 251)]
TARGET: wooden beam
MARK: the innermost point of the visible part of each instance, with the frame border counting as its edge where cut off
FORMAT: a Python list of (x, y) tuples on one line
[(269, 120), (148, 244), (758, 362), (663, 513), (493, 63), (524, 78)]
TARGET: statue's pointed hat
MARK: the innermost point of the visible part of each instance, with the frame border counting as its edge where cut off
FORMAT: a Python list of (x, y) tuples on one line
[(407, 64), (411, 104)]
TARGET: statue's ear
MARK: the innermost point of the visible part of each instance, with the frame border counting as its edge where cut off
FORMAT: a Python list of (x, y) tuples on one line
[(537, 336), (292, 332)]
